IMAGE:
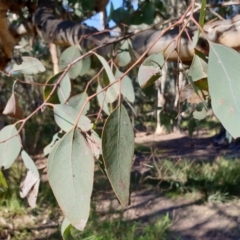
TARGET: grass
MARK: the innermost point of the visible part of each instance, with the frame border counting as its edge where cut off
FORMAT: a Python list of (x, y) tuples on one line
[(26, 223), (216, 181)]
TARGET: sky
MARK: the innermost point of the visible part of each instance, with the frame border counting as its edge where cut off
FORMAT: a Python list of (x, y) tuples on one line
[(95, 20)]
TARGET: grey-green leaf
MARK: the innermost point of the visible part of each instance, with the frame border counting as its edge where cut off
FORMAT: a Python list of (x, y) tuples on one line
[(224, 86), (127, 86), (150, 70), (64, 89), (29, 163), (77, 102), (70, 174), (67, 57), (9, 149), (29, 66), (102, 102), (117, 151), (113, 91), (66, 116)]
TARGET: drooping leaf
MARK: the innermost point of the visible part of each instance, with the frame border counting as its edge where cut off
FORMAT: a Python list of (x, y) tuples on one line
[(77, 102), (66, 116), (224, 86), (9, 149), (123, 57), (49, 147), (150, 70), (32, 195), (127, 86), (3, 183), (64, 89), (28, 183), (70, 174), (102, 102), (57, 96), (67, 57), (65, 230), (12, 109), (29, 163), (198, 69), (94, 142), (117, 151), (29, 66), (113, 91), (86, 65)]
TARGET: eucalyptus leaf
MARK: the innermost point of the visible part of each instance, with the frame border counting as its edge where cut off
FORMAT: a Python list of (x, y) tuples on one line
[(77, 102), (70, 174), (102, 102), (67, 57), (66, 116), (117, 152), (29, 66), (10, 146), (150, 70), (224, 86), (127, 86)]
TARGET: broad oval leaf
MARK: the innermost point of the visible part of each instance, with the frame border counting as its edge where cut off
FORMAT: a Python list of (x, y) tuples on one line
[(67, 57), (58, 95), (117, 152), (224, 86), (86, 65), (77, 102), (66, 116), (102, 102), (150, 70), (127, 86), (9, 149), (29, 66), (70, 174), (123, 57)]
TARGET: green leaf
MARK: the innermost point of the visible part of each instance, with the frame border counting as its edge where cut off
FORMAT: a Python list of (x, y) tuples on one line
[(67, 57), (198, 69), (3, 183), (64, 89), (50, 146), (120, 15), (66, 116), (123, 57), (29, 163), (117, 151), (127, 86), (224, 86), (113, 91), (66, 230), (150, 70), (77, 102), (29, 66), (199, 115), (102, 102), (86, 65), (9, 149), (65, 86), (70, 174)]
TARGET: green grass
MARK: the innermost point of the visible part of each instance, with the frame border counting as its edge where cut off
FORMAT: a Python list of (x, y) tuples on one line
[(217, 181), (123, 230)]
